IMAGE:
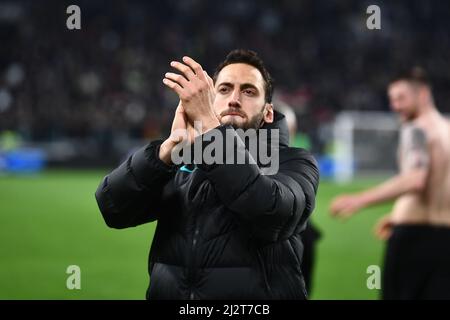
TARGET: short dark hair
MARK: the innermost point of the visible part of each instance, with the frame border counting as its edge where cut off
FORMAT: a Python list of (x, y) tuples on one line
[(416, 75), (251, 58)]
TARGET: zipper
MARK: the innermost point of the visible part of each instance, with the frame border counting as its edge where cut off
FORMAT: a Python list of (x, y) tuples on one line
[(191, 259), (191, 263)]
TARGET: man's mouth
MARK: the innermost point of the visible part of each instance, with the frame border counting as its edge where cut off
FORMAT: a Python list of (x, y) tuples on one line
[(233, 113)]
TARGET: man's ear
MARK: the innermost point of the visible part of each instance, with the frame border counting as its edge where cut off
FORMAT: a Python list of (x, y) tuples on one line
[(268, 113)]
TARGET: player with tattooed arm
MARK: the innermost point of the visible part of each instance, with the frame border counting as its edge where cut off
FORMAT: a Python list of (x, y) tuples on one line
[(417, 258)]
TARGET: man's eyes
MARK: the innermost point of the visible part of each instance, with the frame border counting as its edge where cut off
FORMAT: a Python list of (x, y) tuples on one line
[(249, 92)]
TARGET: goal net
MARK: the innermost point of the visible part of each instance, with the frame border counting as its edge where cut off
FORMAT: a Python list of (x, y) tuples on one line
[(365, 144)]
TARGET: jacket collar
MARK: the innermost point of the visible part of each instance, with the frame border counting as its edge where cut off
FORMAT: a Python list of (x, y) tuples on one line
[(280, 123)]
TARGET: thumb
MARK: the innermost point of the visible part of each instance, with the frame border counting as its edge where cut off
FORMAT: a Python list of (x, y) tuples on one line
[(210, 81), (179, 121)]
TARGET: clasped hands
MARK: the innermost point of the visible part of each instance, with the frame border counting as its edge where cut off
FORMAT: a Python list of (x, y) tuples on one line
[(195, 88)]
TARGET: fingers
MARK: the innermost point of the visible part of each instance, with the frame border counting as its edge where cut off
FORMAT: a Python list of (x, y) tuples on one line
[(346, 205), (174, 86), (178, 131), (177, 78), (383, 233), (336, 206), (192, 133), (184, 69), (180, 110), (343, 207), (194, 87), (208, 78), (383, 228), (194, 66), (191, 72), (333, 209), (179, 118), (378, 228)]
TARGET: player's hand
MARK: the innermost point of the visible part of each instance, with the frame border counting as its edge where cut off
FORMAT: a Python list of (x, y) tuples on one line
[(195, 90), (383, 228), (181, 131), (346, 205)]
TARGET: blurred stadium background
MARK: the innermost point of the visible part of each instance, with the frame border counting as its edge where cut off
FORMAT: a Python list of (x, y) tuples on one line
[(74, 103)]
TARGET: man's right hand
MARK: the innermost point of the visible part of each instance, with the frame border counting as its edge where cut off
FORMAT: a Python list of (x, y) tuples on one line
[(181, 129), (383, 228), (345, 206)]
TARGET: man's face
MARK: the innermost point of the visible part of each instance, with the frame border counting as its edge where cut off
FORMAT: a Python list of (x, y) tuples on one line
[(404, 99), (240, 97)]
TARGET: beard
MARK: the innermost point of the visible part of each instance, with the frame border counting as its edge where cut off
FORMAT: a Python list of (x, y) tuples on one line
[(255, 122), (406, 117)]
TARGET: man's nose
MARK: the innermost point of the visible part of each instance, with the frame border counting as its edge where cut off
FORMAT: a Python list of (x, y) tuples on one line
[(235, 99)]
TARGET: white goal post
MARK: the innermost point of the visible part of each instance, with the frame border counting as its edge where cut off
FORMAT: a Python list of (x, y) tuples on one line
[(365, 143)]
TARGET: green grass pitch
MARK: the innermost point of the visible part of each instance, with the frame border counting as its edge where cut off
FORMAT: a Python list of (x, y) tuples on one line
[(49, 221)]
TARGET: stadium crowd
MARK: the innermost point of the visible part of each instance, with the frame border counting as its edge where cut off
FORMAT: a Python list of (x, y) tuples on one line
[(105, 80)]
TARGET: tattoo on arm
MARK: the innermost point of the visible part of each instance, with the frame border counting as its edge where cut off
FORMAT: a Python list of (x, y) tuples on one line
[(415, 152)]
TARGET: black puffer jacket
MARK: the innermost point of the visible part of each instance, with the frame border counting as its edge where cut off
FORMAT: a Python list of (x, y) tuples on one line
[(224, 231)]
